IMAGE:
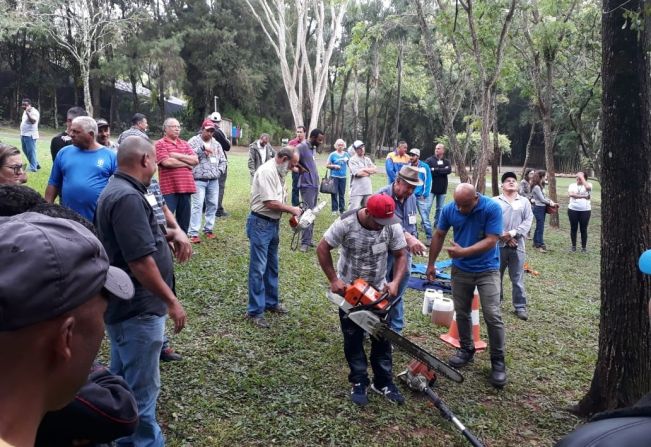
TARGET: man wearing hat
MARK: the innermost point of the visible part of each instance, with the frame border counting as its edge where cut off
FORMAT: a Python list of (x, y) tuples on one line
[(422, 193), (219, 135), (361, 170), (104, 135), (517, 217), (402, 192), (51, 323), (365, 237)]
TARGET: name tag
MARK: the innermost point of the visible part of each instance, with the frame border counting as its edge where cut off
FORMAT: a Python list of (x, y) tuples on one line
[(412, 219), (213, 159), (379, 248), (151, 199), (440, 162), (517, 205)]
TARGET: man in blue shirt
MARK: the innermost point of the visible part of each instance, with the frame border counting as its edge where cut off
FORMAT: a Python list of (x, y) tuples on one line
[(81, 170), (477, 223), (401, 190)]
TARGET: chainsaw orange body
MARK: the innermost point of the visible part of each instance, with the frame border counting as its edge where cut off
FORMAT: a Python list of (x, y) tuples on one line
[(362, 293)]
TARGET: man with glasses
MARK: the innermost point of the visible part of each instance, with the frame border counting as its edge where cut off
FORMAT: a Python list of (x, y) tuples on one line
[(176, 160), (64, 139)]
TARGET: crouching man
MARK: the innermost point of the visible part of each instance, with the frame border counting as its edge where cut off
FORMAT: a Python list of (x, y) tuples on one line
[(365, 237)]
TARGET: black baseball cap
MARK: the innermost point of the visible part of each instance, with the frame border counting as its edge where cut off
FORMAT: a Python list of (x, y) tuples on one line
[(509, 174)]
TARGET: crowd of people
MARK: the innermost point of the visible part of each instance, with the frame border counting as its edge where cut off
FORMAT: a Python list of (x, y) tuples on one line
[(128, 227)]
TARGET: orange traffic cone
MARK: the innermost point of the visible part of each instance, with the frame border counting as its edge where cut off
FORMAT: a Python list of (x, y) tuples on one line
[(452, 337)]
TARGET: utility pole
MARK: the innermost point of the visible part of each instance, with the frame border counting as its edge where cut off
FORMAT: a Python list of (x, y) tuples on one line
[(215, 98)]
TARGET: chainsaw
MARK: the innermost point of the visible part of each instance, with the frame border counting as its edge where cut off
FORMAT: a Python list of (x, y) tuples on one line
[(368, 309), (302, 222)]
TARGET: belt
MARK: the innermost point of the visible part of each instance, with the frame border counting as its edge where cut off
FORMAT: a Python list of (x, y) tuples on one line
[(263, 217)]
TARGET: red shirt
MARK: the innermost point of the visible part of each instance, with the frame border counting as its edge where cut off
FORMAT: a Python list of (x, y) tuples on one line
[(174, 180)]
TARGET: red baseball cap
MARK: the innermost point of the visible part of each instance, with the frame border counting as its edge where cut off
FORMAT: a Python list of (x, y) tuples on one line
[(382, 209), (208, 124)]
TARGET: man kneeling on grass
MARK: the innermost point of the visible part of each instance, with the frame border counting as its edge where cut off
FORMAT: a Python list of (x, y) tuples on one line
[(365, 237)]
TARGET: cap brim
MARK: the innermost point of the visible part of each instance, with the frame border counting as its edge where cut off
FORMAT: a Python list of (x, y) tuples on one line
[(119, 284), (387, 220)]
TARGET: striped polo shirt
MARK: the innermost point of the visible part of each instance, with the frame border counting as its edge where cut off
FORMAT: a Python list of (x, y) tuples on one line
[(174, 180)]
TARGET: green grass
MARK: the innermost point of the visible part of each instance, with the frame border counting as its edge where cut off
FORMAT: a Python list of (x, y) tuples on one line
[(288, 385)]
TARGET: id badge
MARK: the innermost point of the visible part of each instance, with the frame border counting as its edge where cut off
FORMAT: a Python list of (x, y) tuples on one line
[(440, 162), (213, 160), (379, 248), (151, 199), (412, 219)]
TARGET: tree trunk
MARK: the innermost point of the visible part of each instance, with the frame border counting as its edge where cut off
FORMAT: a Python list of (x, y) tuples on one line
[(355, 129), (134, 93), (85, 79), (479, 179), (55, 107), (527, 150), (396, 134), (550, 138), (623, 370), (495, 162), (342, 103)]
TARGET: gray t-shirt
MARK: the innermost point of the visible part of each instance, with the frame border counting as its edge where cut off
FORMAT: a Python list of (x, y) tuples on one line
[(363, 252), (360, 186)]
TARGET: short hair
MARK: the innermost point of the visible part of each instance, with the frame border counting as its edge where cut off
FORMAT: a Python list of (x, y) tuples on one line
[(17, 199), (264, 135), (26, 100), (340, 141), (132, 149), (7, 151), (286, 153), (301, 127), (87, 123), (316, 133), (137, 118), (74, 112), (167, 121), (401, 142), (56, 210)]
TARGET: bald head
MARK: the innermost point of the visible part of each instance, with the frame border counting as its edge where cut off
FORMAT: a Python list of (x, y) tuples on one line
[(466, 197), (137, 158)]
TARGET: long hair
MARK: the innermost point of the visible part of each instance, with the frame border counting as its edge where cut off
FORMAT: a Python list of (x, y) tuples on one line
[(7, 151), (525, 176), (538, 179)]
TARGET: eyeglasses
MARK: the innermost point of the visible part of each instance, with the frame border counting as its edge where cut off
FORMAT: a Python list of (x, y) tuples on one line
[(16, 168)]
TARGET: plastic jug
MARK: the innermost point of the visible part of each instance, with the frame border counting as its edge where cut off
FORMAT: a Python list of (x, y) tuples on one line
[(442, 310), (428, 300)]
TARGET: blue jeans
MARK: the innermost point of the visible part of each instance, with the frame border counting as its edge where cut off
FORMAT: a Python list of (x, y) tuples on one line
[(539, 214), (29, 148), (424, 208), (263, 264), (135, 355), (381, 358), (514, 260), (397, 312), (208, 190), (339, 199), (440, 201), (180, 206), (309, 197), (295, 190)]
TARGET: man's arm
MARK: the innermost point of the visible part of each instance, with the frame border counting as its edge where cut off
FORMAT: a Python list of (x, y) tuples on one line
[(434, 250), (51, 193), (190, 160), (457, 251), (275, 205), (146, 272), (399, 271), (221, 138), (325, 261), (251, 163), (415, 246), (527, 219), (181, 246)]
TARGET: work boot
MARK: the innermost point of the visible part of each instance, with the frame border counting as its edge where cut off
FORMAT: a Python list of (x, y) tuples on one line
[(498, 373), (462, 358), (522, 314)]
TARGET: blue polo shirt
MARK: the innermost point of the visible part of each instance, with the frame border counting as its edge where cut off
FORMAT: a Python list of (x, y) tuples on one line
[(406, 210), (340, 160), (484, 219)]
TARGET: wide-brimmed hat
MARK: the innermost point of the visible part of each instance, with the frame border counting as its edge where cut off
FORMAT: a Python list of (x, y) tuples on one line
[(409, 174)]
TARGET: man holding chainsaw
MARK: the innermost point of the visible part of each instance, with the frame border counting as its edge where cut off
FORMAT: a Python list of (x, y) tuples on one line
[(365, 237), (262, 229), (477, 223)]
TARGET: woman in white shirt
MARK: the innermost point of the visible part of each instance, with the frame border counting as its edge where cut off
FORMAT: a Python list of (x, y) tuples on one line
[(579, 208)]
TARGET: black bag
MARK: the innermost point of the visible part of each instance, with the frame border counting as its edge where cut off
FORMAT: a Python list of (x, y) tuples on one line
[(328, 184)]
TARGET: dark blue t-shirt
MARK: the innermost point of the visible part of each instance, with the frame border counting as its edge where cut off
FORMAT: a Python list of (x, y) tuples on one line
[(484, 219), (306, 154), (81, 176)]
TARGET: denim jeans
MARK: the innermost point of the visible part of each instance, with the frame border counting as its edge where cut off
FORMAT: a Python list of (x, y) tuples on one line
[(263, 264), (539, 214), (29, 148), (135, 355), (208, 190), (440, 201), (397, 313), (514, 260), (295, 190), (339, 199), (424, 208), (222, 188), (381, 358), (309, 197), (180, 206), (463, 289)]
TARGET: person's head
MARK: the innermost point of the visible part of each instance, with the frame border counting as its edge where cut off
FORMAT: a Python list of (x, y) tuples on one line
[(316, 137), (207, 130), (83, 131), (12, 169), (402, 148), (359, 147), (26, 103), (528, 174), (286, 159), (103, 132), (539, 178), (414, 156), (137, 157), (51, 324), (72, 113), (439, 151), (300, 132), (264, 139), (580, 177), (509, 182), (16, 199), (379, 212), (171, 128), (465, 198), (139, 121), (216, 118), (406, 182), (340, 145)]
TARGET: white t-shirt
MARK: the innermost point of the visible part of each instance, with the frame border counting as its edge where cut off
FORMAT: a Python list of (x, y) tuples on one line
[(578, 204), (28, 129)]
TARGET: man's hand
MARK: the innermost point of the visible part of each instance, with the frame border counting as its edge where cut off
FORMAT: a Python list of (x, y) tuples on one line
[(431, 272), (181, 246), (178, 315), (296, 211), (415, 246), (512, 243), (392, 288), (338, 286), (456, 251), (506, 237)]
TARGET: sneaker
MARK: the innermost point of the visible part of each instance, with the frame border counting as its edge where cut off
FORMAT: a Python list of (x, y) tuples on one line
[(358, 395), (428, 242), (210, 235), (497, 376), (304, 248), (335, 213), (168, 355), (391, 392), (258, 320), (542, 249), (222, 213), (584, 250), (461, 358), (195, 240), (573, 249), (522, 314), (278, 309)]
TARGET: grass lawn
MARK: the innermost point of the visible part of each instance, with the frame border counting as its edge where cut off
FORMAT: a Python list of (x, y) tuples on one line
[(288, 385)]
